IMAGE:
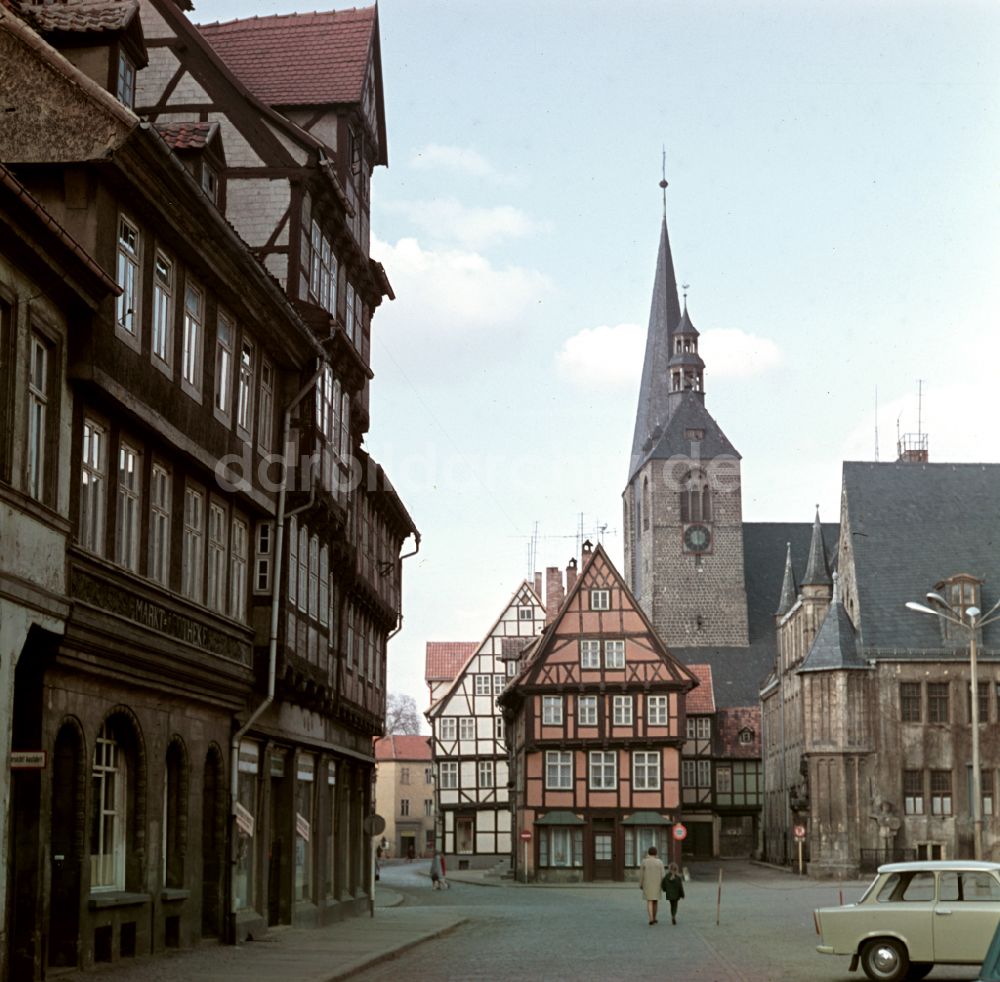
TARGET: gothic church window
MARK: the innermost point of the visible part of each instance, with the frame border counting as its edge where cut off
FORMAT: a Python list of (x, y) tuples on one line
[(645, 504), (696, 498)]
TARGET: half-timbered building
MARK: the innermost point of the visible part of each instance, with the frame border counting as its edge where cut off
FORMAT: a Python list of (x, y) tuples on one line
[(468, 738), (207, 709), (595, 721)]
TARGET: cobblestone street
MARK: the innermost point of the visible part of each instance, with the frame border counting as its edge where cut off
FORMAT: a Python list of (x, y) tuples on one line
[(585, 932)]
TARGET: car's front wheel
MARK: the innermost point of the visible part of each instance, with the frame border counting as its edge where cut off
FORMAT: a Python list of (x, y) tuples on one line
[(918, 971), (885, 960)]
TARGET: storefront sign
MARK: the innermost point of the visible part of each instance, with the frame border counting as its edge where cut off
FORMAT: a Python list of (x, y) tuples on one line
[(302, 827), (244, 820)]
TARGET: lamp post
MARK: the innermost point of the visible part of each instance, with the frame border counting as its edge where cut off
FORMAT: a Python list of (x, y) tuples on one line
[(970, 620)]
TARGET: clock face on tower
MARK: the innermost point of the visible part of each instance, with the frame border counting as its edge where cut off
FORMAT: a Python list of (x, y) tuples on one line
[(697, 538)]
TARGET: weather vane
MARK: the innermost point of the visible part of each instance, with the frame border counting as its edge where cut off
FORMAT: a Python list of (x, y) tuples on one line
[(663, 181)]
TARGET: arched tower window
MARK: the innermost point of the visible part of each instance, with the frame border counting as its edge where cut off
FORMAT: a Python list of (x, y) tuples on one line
[(696, 498), (645, 503)]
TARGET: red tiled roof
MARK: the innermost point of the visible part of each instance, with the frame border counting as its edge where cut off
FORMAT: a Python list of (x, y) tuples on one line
[(188, 135), (298, 59), (701, 699), (403, 748), (80, 16), (445, 658)]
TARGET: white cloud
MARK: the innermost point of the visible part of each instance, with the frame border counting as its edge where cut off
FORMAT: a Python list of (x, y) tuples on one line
[(607, 355), (732, 353), (449, 290), (464, 160), (613, 355), (448, 220)]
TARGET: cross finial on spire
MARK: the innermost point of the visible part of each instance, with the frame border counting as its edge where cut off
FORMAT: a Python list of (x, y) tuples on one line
[(685, 287), (663, 182)]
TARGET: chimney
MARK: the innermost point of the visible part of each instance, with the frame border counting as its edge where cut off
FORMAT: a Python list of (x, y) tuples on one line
[(570, 575), (588, 551), (553, 593), (538, 585)]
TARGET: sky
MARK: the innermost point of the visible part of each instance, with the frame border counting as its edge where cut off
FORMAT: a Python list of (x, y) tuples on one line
[(833, 206)]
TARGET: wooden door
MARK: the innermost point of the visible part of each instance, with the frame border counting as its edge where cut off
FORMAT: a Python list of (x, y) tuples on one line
[(604, 849)]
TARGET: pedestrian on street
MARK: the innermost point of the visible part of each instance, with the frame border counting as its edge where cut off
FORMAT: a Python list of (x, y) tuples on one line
[(410, 853), (439, 872), (650, 877), (673, 889)]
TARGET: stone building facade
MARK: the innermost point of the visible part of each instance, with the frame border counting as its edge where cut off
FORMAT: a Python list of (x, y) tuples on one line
[(404, 795)]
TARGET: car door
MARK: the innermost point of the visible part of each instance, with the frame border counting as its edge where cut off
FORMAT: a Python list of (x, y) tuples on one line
[(965, 915), (909, 913)]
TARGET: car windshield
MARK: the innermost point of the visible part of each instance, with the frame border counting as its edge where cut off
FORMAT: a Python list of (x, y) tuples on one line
[(868, 890)]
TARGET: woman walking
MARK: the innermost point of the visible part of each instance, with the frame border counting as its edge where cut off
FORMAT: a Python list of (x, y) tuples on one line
[(673, 889), (439, 872), (650, 876)]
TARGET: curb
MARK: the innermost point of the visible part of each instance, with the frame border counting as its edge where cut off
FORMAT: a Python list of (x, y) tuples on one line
[(385, 956)]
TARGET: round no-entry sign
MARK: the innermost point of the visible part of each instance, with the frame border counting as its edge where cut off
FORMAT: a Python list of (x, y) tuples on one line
[(800, 831), (526, 835), (680, 832)]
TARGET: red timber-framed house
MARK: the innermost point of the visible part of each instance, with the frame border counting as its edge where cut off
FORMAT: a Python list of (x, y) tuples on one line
[(595, 723), (468, 739), (208, 705)]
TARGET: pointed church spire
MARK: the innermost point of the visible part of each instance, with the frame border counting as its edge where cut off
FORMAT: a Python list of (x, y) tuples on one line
[(789, 589), (818, 567), (664, 315)]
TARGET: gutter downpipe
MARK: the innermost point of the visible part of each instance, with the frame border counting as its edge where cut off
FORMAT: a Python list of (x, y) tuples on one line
[(272, 646)]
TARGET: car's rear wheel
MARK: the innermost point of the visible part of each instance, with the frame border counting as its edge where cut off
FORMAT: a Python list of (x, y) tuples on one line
[(885, 960), (918, 971)]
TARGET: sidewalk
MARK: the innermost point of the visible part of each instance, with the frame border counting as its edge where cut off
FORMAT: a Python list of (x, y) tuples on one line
[(303, 954)]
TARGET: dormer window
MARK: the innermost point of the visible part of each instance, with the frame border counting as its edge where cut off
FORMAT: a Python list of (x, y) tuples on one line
[(126, 80), (960, 592), (210, 181), (745, 737)]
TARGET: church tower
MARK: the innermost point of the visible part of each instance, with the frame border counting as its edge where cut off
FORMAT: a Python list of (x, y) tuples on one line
[(682, 503)]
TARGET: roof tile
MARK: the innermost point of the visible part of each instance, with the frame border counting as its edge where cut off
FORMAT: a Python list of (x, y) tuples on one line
[(400, 747), (701, 699), (445, 659), (80, 16), (186, 135)]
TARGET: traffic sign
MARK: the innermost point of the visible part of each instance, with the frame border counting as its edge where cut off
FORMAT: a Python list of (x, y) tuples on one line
[(680, 832), (526, 835), (800, 831), (374, 825)]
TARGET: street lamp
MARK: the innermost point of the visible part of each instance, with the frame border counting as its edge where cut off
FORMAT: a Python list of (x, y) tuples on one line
[(970, 621)]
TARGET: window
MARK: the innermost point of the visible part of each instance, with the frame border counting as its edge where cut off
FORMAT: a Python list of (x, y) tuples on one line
[(349, 315), (427, 775), (224, 335), (696, 499), (688, 779), (483, 685), (920, 888), (603, 770), (590, 653), (194, 318), (985, 788), (404, 775), (447, 728), (622, 708), (614, 654), (314, 577), (159, 525), (600, 600), (558, 770), (194, 544), (125, 89), (552, 710), (698, 727), (107, 828), (293, 559), (971, 886), (984, 702), (560, 847), (38, 398), (163, 307), (210, 181), (303, 551), (345, 425), (404, 806), (645, 504), (127, 531), (658, 710), (646, 770), (485, 771), (937, 702), (497, 727), (449, 774), (265, 410), (498, 684), (262, 565), (217, 557), (586, 710), (524, 613), (248, 765), (428, 807), (324, 585), (941, 793), (128, 276), (745, 737), (724, 780), (238, 570), (909, 702), (305, 773), (92, 485), (467, 728), (244, 403), (703, 772), (913, 792)]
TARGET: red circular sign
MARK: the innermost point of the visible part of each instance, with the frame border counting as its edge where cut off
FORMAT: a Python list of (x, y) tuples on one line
[(526, 834), (680, 832), (800, 831)]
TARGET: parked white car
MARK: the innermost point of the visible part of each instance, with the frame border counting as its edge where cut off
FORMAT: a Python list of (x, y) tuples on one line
[(915, 916)]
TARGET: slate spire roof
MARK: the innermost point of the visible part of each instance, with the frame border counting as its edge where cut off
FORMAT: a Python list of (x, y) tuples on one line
[(818, 567), (789, 590), (664, 314), (835, 645)]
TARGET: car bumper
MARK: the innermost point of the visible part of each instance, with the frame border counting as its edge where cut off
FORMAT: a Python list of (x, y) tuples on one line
[(825, 949)]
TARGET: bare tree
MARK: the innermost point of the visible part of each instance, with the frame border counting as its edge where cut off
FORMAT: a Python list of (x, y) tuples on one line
[(401, 716)]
